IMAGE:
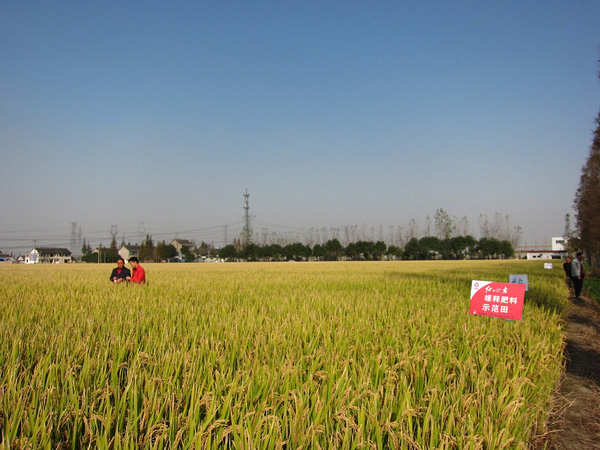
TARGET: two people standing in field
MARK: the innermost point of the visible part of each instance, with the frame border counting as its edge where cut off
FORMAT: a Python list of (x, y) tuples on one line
[(122, 273)]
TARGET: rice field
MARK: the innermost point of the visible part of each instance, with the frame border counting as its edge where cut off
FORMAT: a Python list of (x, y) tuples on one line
[(275, 355)]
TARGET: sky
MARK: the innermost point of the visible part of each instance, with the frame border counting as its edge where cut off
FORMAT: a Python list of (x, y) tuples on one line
[(157, 117)]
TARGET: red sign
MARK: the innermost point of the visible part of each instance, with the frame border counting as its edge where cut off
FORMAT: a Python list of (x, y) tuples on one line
[(504, 300)]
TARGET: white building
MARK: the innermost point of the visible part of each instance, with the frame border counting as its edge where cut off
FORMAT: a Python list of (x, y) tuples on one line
[(127, 251), (556, 251), (558, 244), (48, 255)]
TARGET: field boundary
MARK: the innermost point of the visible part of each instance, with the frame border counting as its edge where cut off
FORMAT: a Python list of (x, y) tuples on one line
[(574, 423)]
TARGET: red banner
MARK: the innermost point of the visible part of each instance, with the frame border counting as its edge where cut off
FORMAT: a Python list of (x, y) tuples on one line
[(503, 300)]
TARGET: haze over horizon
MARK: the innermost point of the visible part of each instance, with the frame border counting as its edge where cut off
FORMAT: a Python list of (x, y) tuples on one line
[(157, 117)]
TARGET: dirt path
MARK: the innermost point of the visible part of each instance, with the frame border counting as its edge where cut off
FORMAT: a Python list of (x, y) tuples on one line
[(575, 424)]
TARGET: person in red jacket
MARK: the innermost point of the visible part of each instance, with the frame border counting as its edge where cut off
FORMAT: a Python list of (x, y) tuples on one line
[(139, 274)]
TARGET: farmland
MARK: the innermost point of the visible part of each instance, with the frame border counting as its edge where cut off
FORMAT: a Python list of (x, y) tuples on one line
[(275, 355)]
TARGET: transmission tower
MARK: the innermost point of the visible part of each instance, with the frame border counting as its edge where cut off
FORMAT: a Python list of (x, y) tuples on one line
[(73, 237), (265, 233), (113, 232), (141, 231), (247, 230)]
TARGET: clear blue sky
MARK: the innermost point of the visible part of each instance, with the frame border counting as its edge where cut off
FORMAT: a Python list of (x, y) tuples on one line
[(329, 113)]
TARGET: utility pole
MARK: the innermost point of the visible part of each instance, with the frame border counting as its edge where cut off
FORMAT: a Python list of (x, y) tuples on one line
[(247, 230)]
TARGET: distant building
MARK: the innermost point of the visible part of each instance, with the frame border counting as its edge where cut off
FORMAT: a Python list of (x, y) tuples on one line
[(127, 251), (53, 255), (559, 244), (6, 259), (555, 251), (179, 244)]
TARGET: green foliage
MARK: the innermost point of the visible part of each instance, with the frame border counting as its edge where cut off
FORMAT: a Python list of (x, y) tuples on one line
[(587, 202), (228, 252), (592, 284), (102, 255), (459, 247), (164, 251), (85, 248), (444, 224), (333, 249), (394, 251), (147, 250), (187, 254)]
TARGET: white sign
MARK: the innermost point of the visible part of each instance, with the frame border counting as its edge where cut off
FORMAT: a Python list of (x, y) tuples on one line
[(547, 265), (519, 279)]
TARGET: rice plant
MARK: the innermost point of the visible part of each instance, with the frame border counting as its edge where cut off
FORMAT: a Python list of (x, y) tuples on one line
[(275, 355)]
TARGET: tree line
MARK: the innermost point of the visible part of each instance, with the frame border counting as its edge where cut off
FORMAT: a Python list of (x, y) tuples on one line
[(160, 252), (444, 245), (587, 203), (429, 247)]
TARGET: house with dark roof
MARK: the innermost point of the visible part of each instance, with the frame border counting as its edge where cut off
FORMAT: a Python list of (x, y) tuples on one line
[(53, 255)]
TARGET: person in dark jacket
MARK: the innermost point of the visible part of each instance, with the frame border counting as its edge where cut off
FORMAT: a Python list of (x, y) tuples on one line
[(120, 273), (577, 275), (567, 268)]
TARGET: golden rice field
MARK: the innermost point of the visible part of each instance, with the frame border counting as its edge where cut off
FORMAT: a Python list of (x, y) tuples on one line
[(275, 355)]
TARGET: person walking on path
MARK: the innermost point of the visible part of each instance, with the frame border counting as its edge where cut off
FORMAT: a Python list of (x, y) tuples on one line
[(577, 275), (139, 274)]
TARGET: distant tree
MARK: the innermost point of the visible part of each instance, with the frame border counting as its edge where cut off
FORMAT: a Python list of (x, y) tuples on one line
[(379, 249), (159, 251), (394, 251), (228, 252), (164, 251), (506, 249), (412, 250), (571, 240), (587, 202), (463, 228), (147, 249), (490, 248), (461, 246), (427, 231), (170, 252), (444, 224), (430, 247), (187, 253), (333, 249), (85, 248), (250, 252), (113, 245), (274, 251), (412, 231), (318, 251)]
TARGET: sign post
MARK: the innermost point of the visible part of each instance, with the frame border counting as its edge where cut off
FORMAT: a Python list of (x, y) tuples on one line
[(502, 300)]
